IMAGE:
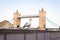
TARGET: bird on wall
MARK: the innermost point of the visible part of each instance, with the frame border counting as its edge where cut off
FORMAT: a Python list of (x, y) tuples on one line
[(27, 24)]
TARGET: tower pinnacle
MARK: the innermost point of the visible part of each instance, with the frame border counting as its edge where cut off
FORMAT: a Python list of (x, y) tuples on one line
[(42, 10)]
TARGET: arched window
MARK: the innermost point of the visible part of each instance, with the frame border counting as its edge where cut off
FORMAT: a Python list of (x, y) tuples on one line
[(17, 26)]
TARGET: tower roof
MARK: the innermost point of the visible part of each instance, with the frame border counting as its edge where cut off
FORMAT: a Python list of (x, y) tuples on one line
[(42, 9), (17, 11)]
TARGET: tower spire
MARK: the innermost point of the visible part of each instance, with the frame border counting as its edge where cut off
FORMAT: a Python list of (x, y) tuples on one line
[(42, 10), (17, 11)]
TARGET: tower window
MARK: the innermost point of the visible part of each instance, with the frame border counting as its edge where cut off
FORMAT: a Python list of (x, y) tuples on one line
[(17, 26)]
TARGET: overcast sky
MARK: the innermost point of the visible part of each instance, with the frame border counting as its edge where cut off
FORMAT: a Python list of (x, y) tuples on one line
[(31, 7)]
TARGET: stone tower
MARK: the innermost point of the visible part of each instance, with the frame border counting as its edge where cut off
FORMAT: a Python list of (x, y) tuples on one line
[(42, 20), (16, 22)]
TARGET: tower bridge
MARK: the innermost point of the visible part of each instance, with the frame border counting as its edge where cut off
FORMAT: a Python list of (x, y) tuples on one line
[(42, 19)]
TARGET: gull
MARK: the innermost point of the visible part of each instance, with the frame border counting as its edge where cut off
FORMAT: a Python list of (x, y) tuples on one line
[(27, 24)]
